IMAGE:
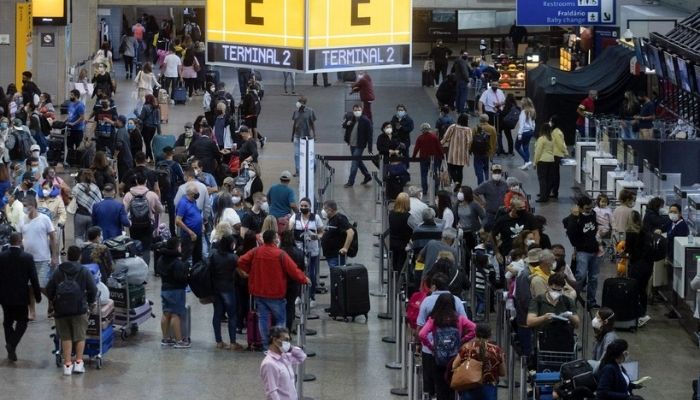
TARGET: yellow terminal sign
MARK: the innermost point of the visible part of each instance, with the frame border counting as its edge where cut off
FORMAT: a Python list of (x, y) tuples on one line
[(310, 35)]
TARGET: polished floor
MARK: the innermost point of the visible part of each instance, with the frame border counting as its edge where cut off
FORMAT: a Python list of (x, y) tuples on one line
[(350, 356)]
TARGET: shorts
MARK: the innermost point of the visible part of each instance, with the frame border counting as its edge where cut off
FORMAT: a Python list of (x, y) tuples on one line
[(43, 272), (72, 328), (173, 301), (251, 122)]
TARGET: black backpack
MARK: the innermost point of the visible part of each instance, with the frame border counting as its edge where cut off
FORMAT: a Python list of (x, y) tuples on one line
[(656, 246), (199, 279), (45, 125), (510, 120), (480, 143), (355, 244), (69, 297), (165, 176), (23, 144), (140, 212)]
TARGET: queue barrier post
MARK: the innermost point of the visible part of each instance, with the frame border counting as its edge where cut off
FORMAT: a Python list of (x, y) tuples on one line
[(404, 350)]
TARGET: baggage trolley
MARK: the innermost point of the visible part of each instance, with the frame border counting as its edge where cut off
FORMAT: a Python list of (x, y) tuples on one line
[(127, 323), (60, 131), (549, 358)]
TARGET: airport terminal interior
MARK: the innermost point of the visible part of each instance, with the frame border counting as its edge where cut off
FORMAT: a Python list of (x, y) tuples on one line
[(632, 49)]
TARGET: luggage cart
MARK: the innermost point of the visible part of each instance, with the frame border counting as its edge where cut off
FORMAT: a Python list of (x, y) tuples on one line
[(126, 318), (549, 360)]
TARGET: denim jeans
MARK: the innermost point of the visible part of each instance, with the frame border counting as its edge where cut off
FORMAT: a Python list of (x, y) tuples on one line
[(587, 270), (335, 261), (313, 274), (424, 168), (626, 127), (484, 392), (461, 98), (225, 302), (522, 145), (357, 151), (481, 168), (277, 308), (291, 77)]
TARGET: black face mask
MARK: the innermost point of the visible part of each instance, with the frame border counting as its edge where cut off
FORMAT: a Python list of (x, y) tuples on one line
[(305, 211), (520, 213), (196, 195), (494, 88), (465, 57)]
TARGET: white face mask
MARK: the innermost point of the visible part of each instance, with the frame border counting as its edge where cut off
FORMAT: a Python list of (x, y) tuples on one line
[(357, 114), (236, 199), (47, 192), (298, 104), (554, 295), (673, 216), (388, 131), (265, 206), (597, 323), (286, 346), (188, 132), (324, 214), (251, 174), (514, 188), (460, 196), (496, 177), (529, 242)]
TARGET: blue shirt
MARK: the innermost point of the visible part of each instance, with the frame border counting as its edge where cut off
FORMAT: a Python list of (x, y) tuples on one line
[(426, 307), (110, 215), (207, 179), (280, 196), (76, 109), (190, 214)]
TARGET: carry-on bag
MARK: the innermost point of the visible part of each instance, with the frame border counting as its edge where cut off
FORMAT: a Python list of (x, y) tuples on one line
[(349, 291), (622, 296)]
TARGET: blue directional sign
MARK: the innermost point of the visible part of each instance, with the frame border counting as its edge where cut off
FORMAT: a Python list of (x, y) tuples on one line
[(565, 12)]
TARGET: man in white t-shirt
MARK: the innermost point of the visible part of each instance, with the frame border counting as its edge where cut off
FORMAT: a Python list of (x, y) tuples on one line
[(491, 102), (39, 240), (171, 70)]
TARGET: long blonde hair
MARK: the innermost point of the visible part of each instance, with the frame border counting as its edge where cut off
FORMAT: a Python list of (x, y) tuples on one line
[(269, 224), (529, 108)]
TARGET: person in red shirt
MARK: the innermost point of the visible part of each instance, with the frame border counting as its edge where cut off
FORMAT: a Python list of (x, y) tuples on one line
[(268, 269), (586, 107), (428, 148), (365, 87)]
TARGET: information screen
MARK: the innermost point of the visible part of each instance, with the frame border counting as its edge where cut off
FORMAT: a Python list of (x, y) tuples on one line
[(670, 68), (49, 12), (683, 74)]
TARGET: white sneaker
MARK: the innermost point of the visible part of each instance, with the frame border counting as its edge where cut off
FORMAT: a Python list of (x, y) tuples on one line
[(79, 368), (313, 303), (643, 320), (67, 370), (526, 166), (297, 301)]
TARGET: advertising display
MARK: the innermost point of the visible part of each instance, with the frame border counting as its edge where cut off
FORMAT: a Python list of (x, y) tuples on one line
[(49, 12), (309, 35), (23, 33)]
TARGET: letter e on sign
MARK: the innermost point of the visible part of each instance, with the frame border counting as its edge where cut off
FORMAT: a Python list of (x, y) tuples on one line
[(355, 19), (249, 18)]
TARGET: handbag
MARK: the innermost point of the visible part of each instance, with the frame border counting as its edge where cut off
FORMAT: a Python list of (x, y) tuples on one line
[(72, 207), (468, 374), (445, 179)]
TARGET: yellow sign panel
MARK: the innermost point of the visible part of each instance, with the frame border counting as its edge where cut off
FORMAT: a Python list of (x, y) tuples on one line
[(48, 8), (23, 42)]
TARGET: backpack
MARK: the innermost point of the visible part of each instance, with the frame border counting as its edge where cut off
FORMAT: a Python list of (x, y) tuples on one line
[(140, 212), (23, 145), (413, 308), (165, 176), (199, 278), (45, 125), (511, 119), (218, 97), (69, 297), (355, 244), (446, 343), (656, 245), (480, 143)]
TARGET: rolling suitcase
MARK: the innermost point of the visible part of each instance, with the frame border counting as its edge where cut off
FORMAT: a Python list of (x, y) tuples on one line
[(622, 296), (253, 329), (159, 142), (179, 95), (428, 78), (349, 292), (56, 150)]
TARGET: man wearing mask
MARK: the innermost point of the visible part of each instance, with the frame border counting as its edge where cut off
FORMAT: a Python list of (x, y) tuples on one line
[(561, 265), (141, 168), (4, 133), (143, 230), (206, 178), (122, 147), (105, 118), (582, 231), (645, 119), (207, 152), (188, 217), (248, 152), (188, 137), (440, 55), (75, 120), (254, 218), (491, 102), (463, 73), (585, 109), (508, 227), (202, 199), (545, 307), (222, 127), (402, 125), (19, 132), (110, 214), (26, 188), (237, 198), (177, 176), (36, 163), (250, 110), (358, 135), (303, 126), (365, 87), (96, 252), (338, 235), (491, 194)]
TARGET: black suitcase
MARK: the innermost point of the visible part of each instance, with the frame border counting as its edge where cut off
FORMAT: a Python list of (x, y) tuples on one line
[(622, 296), (576, 377), (349, 292), (428, 78), (56, 150)]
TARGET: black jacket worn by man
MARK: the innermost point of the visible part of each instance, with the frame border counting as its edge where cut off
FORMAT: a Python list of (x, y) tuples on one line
[(335, 234), (364, 130), (207, 152), (82, 277), (172, 270), (581, 231), (461, 69), (17, 270)]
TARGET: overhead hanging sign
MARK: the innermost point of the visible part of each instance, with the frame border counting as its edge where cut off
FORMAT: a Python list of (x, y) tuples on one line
[(309, 35), (565, 12)]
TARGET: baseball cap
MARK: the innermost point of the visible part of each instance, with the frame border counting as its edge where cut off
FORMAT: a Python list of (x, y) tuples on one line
[(242, 128), (189, 125), (286, 175), (496, 167), (167, 149), (425, 127), (28, 176), (511, 181), (228, 181), (34, 147)]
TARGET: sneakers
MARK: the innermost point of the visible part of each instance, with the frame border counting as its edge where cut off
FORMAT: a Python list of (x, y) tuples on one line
[(78, 367), (182, 345), (526, 166), (263, 140), (167, 342), (312, 304), (367, 179), (11, 354), (347, 185), (235, 347), (643, 320), (68, 370)]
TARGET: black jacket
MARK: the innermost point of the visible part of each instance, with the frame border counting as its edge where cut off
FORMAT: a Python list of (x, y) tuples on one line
[(82, 276), (172, 270), (223, 267), (653, 221), (611, 383), (386, 143), (17, 270), (581, 232), (364, 130), (207, 152)]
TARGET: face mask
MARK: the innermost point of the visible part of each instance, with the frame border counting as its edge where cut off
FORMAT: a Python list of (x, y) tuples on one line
[(35, 169), (286, 346), (46, 192), (5, 199), (305, 211), (554, 295), (494, 88), (357, 114), (496, 177), (460, 196), (298, 104), (324, 214), (464, 57), (514, 188), (130, 127), (197, 171), (586, 213), (597, 323), (673, 216), (388, 131), (400, 113), (3, 126), (188, 132), (212, 89), (236, 199), (360, 76), (100, 69), (529, 242), (265, 206), (520, 213), (196, 195), (251, 174)]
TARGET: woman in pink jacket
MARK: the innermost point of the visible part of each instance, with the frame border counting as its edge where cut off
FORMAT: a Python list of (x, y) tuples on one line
[(444, 333)]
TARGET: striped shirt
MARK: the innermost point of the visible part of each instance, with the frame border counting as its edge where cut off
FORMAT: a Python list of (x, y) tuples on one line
[(86, 196), (458, 140)]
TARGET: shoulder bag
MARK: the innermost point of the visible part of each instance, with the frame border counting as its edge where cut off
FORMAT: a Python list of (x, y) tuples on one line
[(467, 374)]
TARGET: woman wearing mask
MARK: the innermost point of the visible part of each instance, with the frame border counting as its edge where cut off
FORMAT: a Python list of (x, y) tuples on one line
[(526, 130), (238, 204), (678, 227), (492, 360), (86, 194), (399, 231), (101, 169), (288, 245), (224, 261), (444, 208), (387, 144), (402, 125), (604, 329), (443, 318), (458, 139), (560, 152), (544, 162), (621, 214), (613, 381), (201, 127), (207, 100), (146, 82), (102, 81), (254, 184), (150, 118), (49, 198), (524, 240), (50, 175), (308, 228), (135, 138), (629, 108), (635, 253), (45, 107), (470, 216)]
